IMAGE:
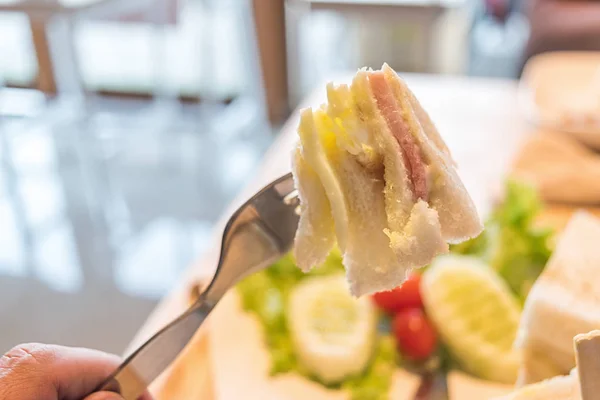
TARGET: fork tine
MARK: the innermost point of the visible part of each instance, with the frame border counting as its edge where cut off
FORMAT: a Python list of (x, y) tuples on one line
[(292, 198)]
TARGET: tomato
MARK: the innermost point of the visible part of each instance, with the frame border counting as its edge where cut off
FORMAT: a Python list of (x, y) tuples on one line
[(406, 295), (415, 336)]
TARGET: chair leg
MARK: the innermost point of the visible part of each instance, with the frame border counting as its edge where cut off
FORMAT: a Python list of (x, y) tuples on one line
[(45, 79), (295, 11), (209, 106), (14, 196), (165, 96), (73, 103), (270, 26), (61, 43), (255, 72)]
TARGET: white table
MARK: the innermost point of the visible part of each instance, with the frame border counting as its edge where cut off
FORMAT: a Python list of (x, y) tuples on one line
[(481, 125)]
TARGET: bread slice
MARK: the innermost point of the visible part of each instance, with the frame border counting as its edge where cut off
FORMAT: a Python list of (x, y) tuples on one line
[(557, 388), (448, 196), (316, 220), (395, 198), (562, 169), (587, 351), (563, 302), (582, 383)]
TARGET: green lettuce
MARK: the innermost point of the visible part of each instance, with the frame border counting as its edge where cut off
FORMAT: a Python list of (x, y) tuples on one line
[(512, 243), (375, 382)]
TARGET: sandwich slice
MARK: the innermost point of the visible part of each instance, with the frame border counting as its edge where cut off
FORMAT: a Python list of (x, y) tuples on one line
[(374, 175), (563, 302), (558, 388), (583, 383)]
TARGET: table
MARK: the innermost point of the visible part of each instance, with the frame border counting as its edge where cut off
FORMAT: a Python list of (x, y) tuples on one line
[(481, 124)]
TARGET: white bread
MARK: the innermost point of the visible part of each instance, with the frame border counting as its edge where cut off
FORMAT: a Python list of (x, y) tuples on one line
[(557, 388), (587, 351), (374, 175), (317, 221), (562, 169), (582, 383), (563, 302), (448, 196)]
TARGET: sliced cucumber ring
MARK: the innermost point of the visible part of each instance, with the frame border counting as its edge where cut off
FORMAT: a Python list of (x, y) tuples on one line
[(333, 333), (475, 314)]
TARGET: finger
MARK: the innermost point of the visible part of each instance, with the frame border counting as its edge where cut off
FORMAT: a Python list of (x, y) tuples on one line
[(113, 396), (47, 372), (104, 396)]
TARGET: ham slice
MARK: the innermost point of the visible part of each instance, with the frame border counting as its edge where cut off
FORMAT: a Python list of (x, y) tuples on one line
[(391, 112)]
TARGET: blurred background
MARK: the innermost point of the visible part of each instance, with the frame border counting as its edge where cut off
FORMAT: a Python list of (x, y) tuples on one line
[(126, 126)]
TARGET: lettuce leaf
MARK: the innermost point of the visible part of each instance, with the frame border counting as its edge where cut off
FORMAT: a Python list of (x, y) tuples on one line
[(376, 381), (511, 242)]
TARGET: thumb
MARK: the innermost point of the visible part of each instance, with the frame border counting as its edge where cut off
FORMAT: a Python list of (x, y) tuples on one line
[(104, 396)]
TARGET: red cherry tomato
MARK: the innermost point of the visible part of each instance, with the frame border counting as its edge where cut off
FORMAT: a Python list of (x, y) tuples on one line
[(414, 334), (404, 296)]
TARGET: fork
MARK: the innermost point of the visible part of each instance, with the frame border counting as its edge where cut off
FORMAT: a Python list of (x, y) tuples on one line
[(259, 233), (433, 386)]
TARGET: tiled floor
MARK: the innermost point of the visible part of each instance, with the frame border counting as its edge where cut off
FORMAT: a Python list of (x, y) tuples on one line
[(96, 224)]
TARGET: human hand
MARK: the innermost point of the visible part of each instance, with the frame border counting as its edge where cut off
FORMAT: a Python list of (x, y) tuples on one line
[(48, 372)]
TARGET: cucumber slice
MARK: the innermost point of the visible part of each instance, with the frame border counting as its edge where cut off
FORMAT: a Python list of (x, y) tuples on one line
[(333, 333), (475, 314)]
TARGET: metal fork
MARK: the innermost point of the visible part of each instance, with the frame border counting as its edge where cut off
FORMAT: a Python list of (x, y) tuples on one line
[(433, 386), (257, 234)]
